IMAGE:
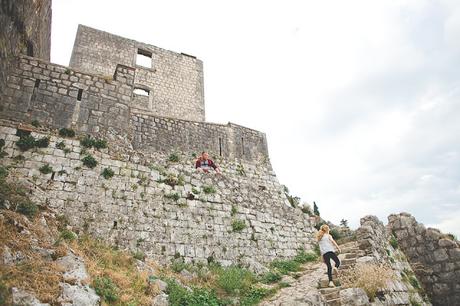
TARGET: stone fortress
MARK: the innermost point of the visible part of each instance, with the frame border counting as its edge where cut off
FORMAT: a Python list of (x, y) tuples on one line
[(146, 113), (148, 103)]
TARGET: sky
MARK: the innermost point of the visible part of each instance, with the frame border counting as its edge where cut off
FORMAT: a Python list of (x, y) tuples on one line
[(360, 100)]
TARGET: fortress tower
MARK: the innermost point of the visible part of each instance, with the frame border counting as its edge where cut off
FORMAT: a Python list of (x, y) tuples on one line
[(166, 83)]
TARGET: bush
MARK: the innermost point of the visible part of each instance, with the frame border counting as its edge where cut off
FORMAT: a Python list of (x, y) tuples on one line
[(65, 132), (173, 157), (139, 255), (106, 289), (235, 279), (100, 143), (26, 142), (304, 257), (286, 266), (209, 189), (89, 161), (180, 296), (178, 265), (335, 234), (3, 173), (89, 142), (27, 208), (172, 196), (393, 242), (255, 295), (68, 235), (238, 225), (36, 123), (60, 145), (42, 142), (4, 294), (370, 277), (46, 169), (107, 173), (271, 277)]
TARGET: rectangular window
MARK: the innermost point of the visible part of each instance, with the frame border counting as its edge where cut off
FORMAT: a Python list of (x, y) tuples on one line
[(220, 146), (37, 83), (80, 93), (242, 145), (144, 58), (141, 92)]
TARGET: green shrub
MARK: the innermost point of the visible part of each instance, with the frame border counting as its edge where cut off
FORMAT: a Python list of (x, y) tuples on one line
[(173, 196), (180, 296), (26, 142), (414, 282), (238, 225), (4, 294), (60, 145), (3, 173), (286, 266), (139, 255), (393, 242), (304, 257), (68, 235), (27, 208), (335, 234), (89, 161), (235, 279), (195, 191), (233, 211), (240, 169), (86, 142), (107, 173), (178, 265), (255, 295), (271, 277), (36, 123), (209, 189), (173, 157), (106, 289), (46, 169), (42, 142), (100, 143), (65, 132)]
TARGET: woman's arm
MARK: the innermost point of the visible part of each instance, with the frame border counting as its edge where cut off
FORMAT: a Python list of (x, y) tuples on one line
[(334, 243)]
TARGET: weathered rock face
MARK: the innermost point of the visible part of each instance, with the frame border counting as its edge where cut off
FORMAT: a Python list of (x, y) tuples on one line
[(434, 257), (25, 27), (373, 239), (165, 208)]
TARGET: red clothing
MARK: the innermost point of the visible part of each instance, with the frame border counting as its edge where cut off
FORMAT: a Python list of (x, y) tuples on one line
[(205, 164)]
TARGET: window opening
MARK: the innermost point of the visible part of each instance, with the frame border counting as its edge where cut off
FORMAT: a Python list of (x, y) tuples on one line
[(141, 91), (144, 58), (80, 93), (220, 146)]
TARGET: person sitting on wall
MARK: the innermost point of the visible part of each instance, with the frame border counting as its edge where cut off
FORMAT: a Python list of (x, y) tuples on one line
[(204, 164)]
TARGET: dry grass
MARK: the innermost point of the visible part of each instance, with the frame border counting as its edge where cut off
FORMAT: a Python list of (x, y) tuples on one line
[(102, 260), (370, 277), (33, 273)]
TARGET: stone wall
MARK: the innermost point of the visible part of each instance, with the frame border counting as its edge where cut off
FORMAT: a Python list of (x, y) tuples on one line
[(60, 97), (25, 27), (157, 134), (373, 239), (174, 81), (138, 208), (435, 257)]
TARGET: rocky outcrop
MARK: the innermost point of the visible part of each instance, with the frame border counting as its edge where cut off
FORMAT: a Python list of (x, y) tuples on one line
[(435, 257), (403, 289)]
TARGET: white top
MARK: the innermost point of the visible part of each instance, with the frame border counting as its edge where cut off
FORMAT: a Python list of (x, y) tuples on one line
[(326, 245)]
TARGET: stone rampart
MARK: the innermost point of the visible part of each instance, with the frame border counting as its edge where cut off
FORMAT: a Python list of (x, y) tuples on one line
[(435, 257), (61, 97), (164, 208)]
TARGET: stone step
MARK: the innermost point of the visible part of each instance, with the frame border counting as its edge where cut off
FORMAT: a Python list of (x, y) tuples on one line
[(335, 302), (348, 261), (349, 244), (349, 250), (324, 283), (350, 256), (329, 290), (332, 295)]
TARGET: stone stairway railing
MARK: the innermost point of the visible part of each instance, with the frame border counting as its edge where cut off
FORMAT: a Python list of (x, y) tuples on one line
[(348, 255)]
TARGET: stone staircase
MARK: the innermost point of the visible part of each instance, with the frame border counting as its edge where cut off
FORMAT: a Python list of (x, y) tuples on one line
[(348, 255)]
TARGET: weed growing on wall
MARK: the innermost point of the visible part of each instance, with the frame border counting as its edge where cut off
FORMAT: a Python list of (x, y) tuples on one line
[(209, 189), (65, 132), (107, 173), (238, 225), (89, 161), (46, 169)]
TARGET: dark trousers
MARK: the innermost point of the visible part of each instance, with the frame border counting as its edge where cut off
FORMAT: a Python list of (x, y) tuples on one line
[(327, 260)]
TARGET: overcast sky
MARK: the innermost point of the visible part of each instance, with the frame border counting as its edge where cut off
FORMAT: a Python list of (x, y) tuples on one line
[(359, 99)]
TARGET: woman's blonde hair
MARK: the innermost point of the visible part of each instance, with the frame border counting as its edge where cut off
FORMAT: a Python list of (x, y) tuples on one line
[(324, 229)]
